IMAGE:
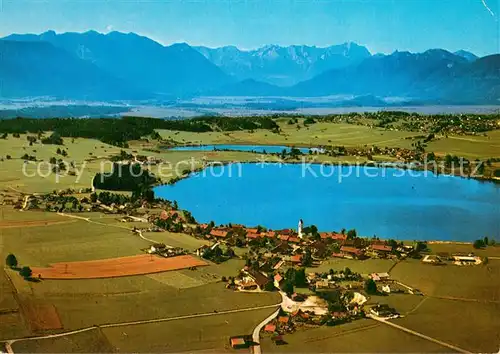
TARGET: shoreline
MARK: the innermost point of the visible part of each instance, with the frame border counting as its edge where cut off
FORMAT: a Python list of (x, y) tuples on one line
[(381, 165)]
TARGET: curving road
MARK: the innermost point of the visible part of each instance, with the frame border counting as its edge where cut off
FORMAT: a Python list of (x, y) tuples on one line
[(256, 332)]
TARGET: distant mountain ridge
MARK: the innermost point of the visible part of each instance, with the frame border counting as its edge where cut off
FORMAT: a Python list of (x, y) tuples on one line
[(40, 69), (120, 66), (283, 66), (435, 75), (140, 61)]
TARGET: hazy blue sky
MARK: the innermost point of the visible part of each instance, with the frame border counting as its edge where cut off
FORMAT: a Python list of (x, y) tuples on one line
[(381, 25)]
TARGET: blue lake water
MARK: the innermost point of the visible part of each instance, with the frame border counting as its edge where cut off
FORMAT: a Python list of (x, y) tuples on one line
[(389, 203), (249, 148)]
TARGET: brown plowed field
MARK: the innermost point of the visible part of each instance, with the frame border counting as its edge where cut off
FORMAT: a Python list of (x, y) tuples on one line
[(41, 316), (116, 267)]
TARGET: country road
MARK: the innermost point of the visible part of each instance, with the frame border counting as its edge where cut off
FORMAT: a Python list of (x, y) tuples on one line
[(407, 330), (103, 224), (9, 342), (256, 332)]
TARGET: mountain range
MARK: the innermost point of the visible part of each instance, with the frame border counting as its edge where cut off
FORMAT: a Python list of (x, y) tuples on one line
[(284, 66), (141, 62), (126, 66)]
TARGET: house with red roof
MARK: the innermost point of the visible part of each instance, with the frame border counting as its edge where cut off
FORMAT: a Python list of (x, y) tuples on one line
[(283, 319), (351, 252), (252, 235), (283, 237), (252, 230), (381, 248), (296, 259), (218, 233), (164, 215), (324, 235), (278, 280), (270, 328), (238, 342), (338, 237), (270, 234)]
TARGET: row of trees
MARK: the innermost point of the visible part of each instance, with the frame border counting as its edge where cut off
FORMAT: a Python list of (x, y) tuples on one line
[(11, 262), (481, 243), (124, 177)]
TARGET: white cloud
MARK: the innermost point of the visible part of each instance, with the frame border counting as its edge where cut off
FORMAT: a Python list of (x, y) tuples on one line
[(109, 28)]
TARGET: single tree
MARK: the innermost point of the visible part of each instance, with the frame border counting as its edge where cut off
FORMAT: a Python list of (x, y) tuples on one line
[(288, 288), (269, 286), (478, 244), (26, 272), (351, 234), (371, 287), (300, 278), (11, 261)]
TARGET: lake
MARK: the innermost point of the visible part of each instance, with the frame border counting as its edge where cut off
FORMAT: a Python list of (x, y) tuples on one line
[(249, 148), (386, 202)]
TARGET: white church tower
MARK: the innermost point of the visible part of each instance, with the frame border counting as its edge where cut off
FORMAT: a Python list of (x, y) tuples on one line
[(299, 229)]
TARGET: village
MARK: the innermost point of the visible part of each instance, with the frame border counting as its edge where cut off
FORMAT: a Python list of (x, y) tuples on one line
[(281, 261)]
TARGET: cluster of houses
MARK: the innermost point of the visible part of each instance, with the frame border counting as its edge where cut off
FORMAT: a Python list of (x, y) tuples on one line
[(163, 250), (294, 248), (460, 259)]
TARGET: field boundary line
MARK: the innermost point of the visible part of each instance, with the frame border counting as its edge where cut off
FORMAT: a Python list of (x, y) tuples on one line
[(453, 298), (423, 336), (343, 333), (9, 342), (139, 232)]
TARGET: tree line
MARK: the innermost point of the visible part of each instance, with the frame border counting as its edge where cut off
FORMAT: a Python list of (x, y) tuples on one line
[(117, 131)]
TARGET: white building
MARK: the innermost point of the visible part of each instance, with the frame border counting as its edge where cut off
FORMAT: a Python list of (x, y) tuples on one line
[(299, 229)]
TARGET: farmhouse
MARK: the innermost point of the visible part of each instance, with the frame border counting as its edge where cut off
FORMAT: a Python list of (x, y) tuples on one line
[(283, 237), (351, 252), (379, 276), (296, 259), (338, 237), (432, 259), (278, 280), (270, 328), (380, 250), (258, 278), (218, 233), (270, 234), (252, 230), (384, 310), (466, 260), (324, 235), (253, 236), (288, 232), (238, 342), (282, 248), (283, 320), (174, 214)]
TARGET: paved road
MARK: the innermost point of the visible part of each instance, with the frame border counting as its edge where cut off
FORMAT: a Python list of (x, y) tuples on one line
[(9, 342), (110, 225), (256, 332), (407, 330)]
